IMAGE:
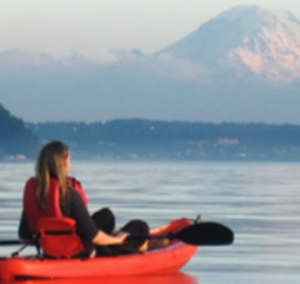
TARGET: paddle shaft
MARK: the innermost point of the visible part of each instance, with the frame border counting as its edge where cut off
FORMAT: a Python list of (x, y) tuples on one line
[(18, 242), (205, 233)]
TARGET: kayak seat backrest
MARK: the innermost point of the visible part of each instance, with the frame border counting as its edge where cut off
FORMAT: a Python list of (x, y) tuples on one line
[(58, 238)]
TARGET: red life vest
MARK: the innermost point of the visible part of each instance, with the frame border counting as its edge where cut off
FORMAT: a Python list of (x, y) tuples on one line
[(77, 186), (33, 213), (51, 219)]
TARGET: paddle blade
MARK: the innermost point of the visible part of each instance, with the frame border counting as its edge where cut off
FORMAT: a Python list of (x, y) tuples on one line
[(206, 233), (10, 243)]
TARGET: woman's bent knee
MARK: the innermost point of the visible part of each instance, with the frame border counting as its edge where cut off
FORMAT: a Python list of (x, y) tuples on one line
[(105, 220)]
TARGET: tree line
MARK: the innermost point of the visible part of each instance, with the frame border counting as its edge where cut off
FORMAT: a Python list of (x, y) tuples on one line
[(126, 138), (16, 139)]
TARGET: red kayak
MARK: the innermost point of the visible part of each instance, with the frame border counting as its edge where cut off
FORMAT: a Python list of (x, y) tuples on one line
[(168, 258)]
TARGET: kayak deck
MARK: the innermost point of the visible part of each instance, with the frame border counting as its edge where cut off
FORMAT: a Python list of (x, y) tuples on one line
[(169, 258)]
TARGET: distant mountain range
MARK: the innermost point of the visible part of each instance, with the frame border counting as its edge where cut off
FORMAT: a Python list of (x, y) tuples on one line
[(241, 66)]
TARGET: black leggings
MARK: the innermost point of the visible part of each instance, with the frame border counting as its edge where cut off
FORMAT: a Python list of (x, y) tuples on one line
[(105, 221)]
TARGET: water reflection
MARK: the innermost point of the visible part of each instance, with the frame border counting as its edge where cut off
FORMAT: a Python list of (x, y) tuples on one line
[(259, 201), (174, 278)]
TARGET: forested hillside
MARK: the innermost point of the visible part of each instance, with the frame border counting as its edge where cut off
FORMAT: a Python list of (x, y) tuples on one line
[(146, 139), (16, 139)]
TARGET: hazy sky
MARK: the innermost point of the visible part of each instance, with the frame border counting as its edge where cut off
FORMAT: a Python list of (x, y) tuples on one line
[(93, 27)]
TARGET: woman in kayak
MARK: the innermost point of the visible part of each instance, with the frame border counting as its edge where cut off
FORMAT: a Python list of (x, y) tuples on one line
[(52, 169)]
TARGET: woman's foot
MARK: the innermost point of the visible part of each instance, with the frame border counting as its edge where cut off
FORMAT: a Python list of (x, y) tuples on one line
[(144, 247), (159, 243)]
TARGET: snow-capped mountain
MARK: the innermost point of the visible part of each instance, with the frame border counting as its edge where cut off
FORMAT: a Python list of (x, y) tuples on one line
[(246, 39), (242, 66)]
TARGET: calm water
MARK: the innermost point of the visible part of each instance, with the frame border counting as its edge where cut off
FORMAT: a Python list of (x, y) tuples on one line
[(259, 201)]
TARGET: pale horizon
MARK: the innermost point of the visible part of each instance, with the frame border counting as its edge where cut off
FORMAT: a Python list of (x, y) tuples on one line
[(60, 28), (213, 74)]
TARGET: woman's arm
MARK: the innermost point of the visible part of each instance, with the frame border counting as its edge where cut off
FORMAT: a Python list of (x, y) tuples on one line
[(86, 227)]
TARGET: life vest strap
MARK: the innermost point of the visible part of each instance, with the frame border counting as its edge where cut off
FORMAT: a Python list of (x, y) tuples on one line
[(55, 233)]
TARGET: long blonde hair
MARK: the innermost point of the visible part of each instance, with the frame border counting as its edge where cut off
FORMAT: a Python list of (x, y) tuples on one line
[(51, 163)]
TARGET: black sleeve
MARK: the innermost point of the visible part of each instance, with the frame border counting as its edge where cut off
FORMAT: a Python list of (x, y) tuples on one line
[(23, 229), (86, 227)]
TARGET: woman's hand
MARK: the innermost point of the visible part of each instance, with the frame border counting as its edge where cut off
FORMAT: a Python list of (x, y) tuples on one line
[(103, 239), (121, 236)]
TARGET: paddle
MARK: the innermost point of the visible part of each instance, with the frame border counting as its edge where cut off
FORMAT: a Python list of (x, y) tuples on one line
[(10, 243), (205, 233)]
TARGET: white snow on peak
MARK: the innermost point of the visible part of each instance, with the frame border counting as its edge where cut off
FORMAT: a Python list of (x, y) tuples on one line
[(246, 39), (250, 17), (238, 13)]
